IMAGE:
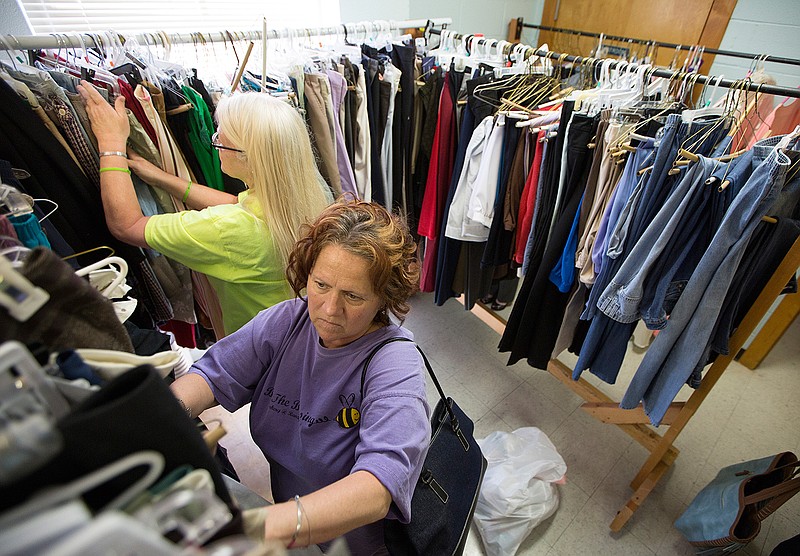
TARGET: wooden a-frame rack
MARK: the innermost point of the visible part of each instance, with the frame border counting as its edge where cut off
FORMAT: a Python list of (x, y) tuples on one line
[(634, 421)]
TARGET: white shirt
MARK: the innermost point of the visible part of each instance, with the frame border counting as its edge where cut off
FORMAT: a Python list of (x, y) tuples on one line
[(458, 226)]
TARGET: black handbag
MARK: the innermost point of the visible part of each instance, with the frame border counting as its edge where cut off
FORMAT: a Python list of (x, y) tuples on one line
[(446, 493)]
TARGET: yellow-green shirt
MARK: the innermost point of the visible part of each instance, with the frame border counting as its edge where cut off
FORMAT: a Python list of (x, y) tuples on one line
[(233, 247)]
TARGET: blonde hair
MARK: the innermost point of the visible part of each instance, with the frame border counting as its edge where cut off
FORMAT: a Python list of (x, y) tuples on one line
[(278, 153)]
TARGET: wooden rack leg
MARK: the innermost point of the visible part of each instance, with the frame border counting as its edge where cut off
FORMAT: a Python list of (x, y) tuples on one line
[(639, 496)]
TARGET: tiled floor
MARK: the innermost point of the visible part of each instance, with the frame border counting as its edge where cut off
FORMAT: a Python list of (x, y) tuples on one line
[(749, 414)]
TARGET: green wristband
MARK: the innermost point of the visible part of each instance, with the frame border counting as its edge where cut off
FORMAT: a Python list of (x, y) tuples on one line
[(115, 169), (186, 193)]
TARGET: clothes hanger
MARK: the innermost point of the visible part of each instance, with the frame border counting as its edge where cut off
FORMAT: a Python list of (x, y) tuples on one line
[(697, 138), (787, 139), (78, 66), (122, 272), (526, 91), (628, 134), (16, 253), (151, 460), (13, 202), (92, 250)]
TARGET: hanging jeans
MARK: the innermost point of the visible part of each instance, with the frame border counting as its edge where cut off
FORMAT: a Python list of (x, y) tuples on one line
[(621, 299), (676, 351), (606, 341)]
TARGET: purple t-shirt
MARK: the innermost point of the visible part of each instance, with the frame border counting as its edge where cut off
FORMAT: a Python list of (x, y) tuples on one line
[(302, 398)]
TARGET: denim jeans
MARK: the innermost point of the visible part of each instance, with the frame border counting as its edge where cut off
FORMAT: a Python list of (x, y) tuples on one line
[(677, 350), (768, 246), (629, 181), (622, 297), (606, 341)]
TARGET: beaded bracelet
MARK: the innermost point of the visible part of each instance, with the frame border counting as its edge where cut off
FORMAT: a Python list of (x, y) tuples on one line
[(115, 169), (186, 193)]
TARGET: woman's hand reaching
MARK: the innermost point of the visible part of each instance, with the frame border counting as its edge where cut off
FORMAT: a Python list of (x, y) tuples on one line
[(150, 173), (109, 124)]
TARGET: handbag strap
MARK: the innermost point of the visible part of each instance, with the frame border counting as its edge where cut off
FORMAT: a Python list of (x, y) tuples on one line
[(790, 485), (450, 414)]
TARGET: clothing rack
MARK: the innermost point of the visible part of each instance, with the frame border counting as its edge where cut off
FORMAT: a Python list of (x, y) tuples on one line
[(732, 53), (694, 78), (81, 40), (634, 422)]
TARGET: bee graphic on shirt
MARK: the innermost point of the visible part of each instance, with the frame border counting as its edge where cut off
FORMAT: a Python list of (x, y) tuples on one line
[(348, 416)]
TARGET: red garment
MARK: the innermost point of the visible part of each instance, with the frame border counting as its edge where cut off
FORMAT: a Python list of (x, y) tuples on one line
[(528, 202), (437, 184), (132, 103), (184, 332)]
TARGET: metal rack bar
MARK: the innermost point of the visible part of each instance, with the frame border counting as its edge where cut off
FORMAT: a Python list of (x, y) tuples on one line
[(79, 40), (715, 51), (658, 72)]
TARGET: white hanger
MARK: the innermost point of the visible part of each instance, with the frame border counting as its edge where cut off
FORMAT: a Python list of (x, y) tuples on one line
[(688, 116), (787, 139), (108, 261), (18, 367), (57, 495)]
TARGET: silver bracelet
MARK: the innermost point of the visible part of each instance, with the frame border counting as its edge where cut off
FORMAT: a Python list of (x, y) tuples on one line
[(299, 521), (114, 153)]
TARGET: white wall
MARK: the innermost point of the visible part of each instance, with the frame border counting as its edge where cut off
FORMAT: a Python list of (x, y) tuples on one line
[(368, 10), (489, 17), (762, 27), (757, 26), (12, 22)]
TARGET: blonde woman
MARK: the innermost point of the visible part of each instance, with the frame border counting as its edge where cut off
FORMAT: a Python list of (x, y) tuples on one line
[(241, 243)]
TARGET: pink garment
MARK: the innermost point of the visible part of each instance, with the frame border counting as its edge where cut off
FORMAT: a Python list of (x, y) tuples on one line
[(785, 117), (781, 120)]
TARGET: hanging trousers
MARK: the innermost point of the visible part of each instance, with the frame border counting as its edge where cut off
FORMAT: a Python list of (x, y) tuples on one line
[(536, 316)]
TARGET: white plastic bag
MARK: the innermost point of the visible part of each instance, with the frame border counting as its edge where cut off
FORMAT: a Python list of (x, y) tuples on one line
[(518, 490)]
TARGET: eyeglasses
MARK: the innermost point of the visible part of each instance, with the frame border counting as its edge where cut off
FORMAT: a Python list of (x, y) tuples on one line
[(217, 145)]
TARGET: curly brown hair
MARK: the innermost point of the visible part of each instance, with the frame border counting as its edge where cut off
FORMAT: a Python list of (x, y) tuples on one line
[(369, 231)]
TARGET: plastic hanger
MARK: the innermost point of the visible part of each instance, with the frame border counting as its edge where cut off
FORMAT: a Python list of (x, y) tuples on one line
[(153, 461), (30, 404), (21, 375), (787, 139), (13, 202), (122, 272)]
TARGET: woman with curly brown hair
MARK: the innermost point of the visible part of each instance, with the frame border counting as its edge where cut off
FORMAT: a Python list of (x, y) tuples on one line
[(339, 462)]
